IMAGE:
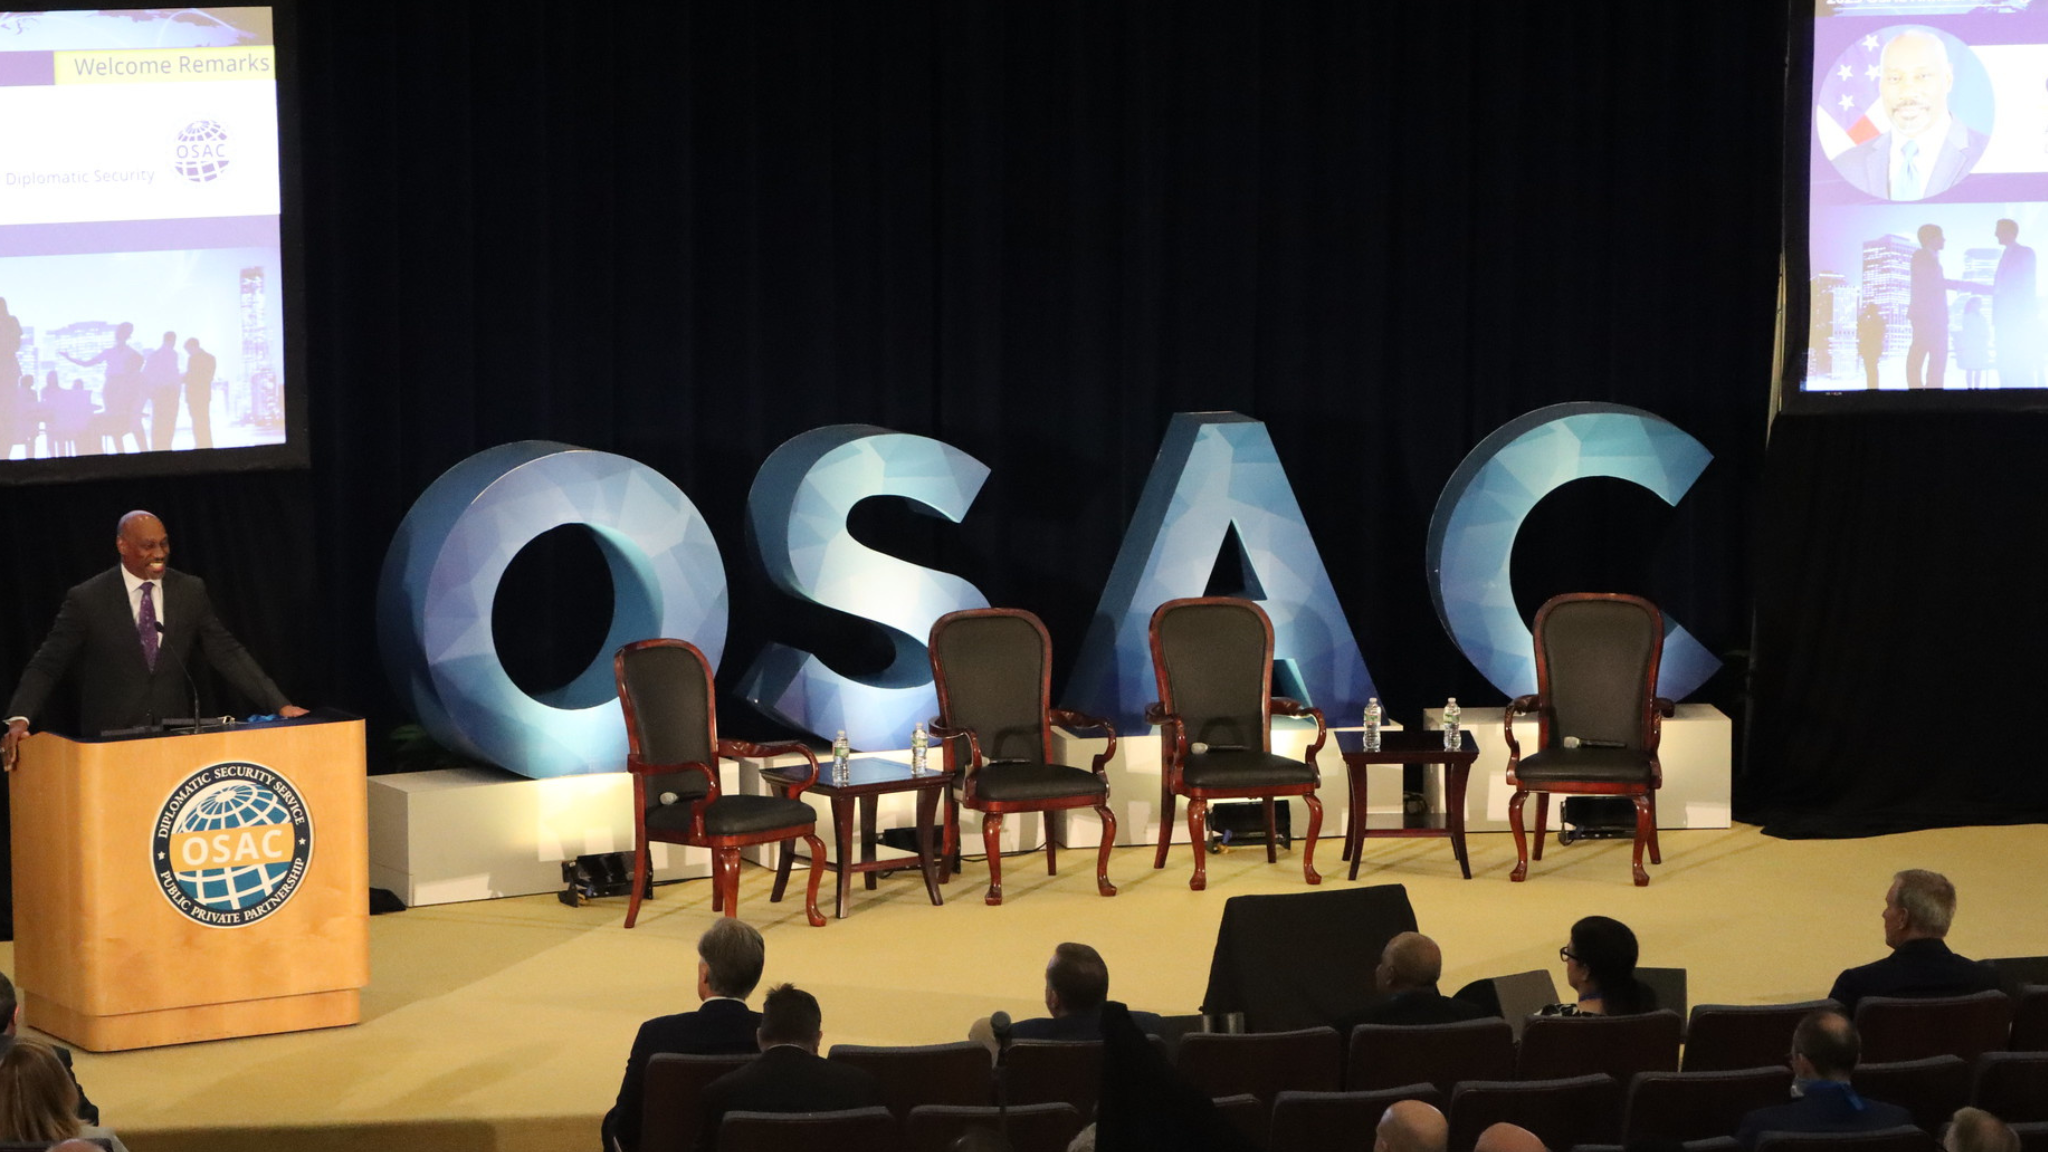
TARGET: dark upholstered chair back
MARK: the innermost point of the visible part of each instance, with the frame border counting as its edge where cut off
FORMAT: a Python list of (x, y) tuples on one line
[(992, 668), (1389, 1055), (957, 1073), (1337, 1119), (1562, 1113), (1214, 661), (1725, 1037), (1699, 1105), (1901, 1139), (1621, 1046), (2012, 1086), (854, 1130), (1597, 667), (1031, 1127), (1907, 1029), (2030, 1019), (669, 719), (1263, 1064), (1931, 1088), (2033, 1135), (670, 1115)]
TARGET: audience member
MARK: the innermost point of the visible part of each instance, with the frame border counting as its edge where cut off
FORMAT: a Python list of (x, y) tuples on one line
[(729, 958), (790, 1076), (1410, 966), (1917, 912), (10, 1011), (38, 1102), (1975, 1130), (1076, 986), (1824, 1051), (1600, 965), (1505, 1137), (1412, 1126)]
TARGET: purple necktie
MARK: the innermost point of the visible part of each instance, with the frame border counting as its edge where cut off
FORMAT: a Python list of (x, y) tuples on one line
[(146, 625)]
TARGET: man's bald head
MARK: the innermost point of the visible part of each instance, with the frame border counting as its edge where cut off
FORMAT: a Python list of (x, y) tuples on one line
[(1412, 1126), (1975, 1130), (1508, 1138), (1410, 962)]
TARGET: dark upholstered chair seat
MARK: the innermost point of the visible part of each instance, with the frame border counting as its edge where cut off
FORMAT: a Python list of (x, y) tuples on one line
[(1593, 765), (1009, 781), (737, 815), (1243, 768)]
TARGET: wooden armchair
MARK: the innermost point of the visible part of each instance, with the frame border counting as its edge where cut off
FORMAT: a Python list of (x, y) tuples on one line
[(1213, 657), (673, 751), (1599, 718), (993, 670)]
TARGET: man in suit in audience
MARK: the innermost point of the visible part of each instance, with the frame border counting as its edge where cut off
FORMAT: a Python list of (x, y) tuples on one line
[(1076, 985), (1412, 1126), (1917, 912), (729, 958), (1410, 966), (790, 1076), (1505, 1137), (1824, 1051), (1975, 1130), (10, 1012)]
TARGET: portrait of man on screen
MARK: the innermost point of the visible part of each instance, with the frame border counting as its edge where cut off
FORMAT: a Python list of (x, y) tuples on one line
[(1921, 147)]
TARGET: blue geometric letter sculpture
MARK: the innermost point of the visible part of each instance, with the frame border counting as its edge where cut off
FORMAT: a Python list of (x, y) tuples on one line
[(434, 598), (796, 520), (1472, 534), (1218, 473)]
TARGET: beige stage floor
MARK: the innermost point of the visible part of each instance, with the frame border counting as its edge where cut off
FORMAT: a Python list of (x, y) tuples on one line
[(504, 1025)]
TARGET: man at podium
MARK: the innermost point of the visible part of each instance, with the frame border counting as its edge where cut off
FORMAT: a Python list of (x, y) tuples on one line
[(129, 633)]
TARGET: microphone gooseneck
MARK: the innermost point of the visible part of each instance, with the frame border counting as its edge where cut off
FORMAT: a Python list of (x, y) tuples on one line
[(190, 683)]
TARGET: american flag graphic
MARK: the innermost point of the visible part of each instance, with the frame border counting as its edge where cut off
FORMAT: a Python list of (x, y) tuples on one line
[(1848, 110)]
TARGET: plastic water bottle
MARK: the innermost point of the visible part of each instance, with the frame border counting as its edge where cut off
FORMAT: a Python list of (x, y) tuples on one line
[(842, 759), (1374, 715), (920, 745), (1452, 741)]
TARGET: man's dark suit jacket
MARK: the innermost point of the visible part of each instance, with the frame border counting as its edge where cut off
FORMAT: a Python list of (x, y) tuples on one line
[(786, 1079), (95, 637), (1918, 968), (716, 1028), (1828, 1106), (1078, 1026), (1409, 1008)]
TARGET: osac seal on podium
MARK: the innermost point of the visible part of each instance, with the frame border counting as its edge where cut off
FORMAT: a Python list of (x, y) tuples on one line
[(232, 844)]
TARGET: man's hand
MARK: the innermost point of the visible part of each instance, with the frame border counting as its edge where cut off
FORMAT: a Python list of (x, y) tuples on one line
[(289, 712), (16, 733)]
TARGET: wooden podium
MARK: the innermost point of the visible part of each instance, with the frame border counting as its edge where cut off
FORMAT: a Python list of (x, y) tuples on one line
[(190, 887)]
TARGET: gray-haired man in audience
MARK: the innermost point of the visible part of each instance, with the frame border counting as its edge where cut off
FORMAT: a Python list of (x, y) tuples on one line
[(1917, 912)]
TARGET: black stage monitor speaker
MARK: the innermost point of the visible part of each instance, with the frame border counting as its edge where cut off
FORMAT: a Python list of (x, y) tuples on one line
[(1300, 960)]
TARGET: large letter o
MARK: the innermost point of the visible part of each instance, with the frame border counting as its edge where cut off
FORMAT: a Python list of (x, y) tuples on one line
[(441, 576)]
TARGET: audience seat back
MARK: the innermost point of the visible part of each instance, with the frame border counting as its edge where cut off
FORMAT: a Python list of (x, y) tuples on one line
[(1311, 1121), (670, 1118), (1556, 1047), (1246, 1113), (1699, 1105), (2012, 1086), (2030, 1020), (1903, 1139), (1054, 1072), (1390, 1055), (1031, 1127), (1931, 1089), (1562, 1113), (1894, 1028), (1728, 1037), (958, 1073), (2033, 1135), (1262, 1064), (854, 1130)]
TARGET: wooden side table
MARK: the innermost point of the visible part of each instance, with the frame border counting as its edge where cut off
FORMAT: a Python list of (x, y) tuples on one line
[(869, 778), (1409, 747)]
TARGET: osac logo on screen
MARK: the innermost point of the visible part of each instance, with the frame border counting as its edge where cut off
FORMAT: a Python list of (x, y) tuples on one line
[(202, 152), (232, 844)]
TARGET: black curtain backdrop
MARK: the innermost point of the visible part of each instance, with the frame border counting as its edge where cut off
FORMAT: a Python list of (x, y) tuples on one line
[(1899, 617), (688, 232)]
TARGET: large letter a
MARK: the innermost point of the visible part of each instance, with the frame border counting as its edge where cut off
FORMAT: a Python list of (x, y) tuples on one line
[(1218, 477)]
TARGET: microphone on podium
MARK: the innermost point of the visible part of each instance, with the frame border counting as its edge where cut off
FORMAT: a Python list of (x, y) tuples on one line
[(189, 682)]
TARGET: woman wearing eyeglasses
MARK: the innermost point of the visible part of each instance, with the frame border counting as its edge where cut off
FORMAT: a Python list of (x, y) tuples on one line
[(1600, 965)]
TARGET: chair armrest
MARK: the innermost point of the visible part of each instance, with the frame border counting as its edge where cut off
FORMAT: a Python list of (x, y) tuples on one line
[(1660, 709), (639, 767), (1173, 740), (1282, 706), (1068, 719), (1524, 705), (943, 733), (739, 748)]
